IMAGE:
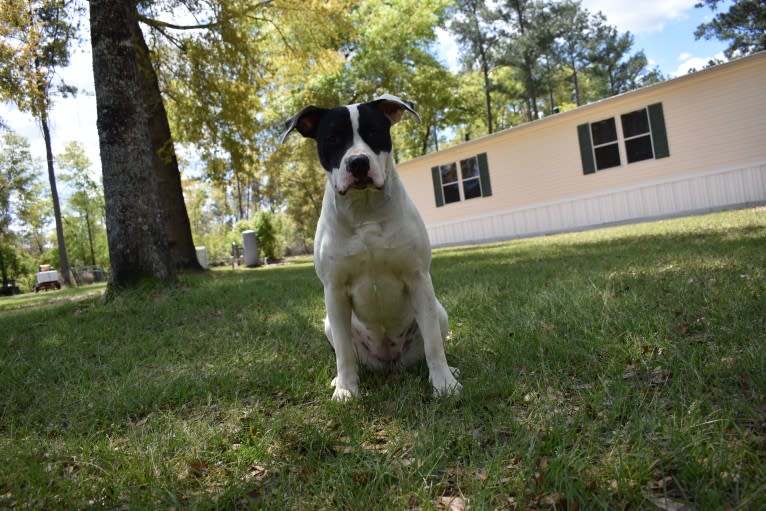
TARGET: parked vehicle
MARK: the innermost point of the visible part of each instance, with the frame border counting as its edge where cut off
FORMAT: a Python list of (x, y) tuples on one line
[(46, 278)]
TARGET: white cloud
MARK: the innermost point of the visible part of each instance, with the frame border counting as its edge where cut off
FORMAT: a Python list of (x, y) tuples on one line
[(638, 17), (687, 62), (72, 118), (447, 49)]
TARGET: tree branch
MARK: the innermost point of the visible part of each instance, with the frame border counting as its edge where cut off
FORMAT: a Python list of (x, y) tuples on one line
[(158, 24)]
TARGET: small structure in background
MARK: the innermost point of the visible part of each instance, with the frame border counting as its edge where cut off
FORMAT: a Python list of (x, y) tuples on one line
[(202, 257), (46, 278), (250, 244), (89, 274), (236, 255)]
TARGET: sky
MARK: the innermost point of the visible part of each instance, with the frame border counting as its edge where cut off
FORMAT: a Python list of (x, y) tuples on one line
[(664, 29)]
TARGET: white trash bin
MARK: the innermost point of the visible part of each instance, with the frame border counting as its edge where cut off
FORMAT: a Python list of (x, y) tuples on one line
[(250, 245), (202, 256)]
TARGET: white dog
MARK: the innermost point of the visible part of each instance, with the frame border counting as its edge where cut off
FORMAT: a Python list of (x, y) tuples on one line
[(371, 249)]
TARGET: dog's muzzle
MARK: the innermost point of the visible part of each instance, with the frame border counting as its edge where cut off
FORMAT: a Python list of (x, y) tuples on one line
[(359, 167)]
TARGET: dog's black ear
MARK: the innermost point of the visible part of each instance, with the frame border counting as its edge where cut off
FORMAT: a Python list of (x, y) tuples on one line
[(306, 122), (394, 107)]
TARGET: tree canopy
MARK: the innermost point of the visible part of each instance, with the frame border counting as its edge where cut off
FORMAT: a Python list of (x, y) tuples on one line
[(743, 26)]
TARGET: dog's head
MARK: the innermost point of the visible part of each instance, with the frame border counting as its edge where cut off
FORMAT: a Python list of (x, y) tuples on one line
[(354, 141)]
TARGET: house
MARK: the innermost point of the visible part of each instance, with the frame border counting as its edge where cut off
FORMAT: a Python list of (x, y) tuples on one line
[(692, 144)]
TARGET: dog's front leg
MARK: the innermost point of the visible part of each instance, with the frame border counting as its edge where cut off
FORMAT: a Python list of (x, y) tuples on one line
[(427, 315), (339, 316)]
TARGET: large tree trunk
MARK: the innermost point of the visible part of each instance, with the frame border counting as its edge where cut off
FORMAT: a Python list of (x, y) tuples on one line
[(177, 228), (66, 273), (138, 249)]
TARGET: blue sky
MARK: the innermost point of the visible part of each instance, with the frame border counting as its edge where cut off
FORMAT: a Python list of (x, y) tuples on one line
[(664, 29)]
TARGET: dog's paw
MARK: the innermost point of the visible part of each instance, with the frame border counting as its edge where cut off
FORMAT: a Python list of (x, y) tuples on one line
[(445, 384), (343, 393)]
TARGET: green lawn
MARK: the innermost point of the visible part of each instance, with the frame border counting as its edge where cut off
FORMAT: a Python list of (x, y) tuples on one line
[(611, 369)]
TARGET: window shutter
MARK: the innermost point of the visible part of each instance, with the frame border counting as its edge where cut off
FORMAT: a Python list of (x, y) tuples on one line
[(659, 134), (438, 192), (586, 149), (486, 186)]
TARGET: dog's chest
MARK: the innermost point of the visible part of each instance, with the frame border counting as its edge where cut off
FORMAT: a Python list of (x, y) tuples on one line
[(376, 268)]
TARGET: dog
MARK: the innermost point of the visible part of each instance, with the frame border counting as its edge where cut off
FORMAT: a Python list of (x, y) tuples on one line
[(371, 249)]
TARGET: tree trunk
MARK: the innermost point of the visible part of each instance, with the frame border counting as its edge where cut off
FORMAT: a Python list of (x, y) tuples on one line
[(3, 270), (177, 227), (138, 249), (576, 83), (90, 239), (487, 88), (66, 274)]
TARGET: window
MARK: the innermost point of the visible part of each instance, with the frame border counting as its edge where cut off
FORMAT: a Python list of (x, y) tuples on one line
[(450, 185), (461, 181), (638, 139), (469, 173), (605, 146), (639, 136)]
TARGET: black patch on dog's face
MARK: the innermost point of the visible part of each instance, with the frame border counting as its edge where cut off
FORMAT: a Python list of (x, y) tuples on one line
[(335, 135), (375, 128)]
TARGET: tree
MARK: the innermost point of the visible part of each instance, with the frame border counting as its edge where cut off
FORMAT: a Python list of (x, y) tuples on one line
[(612, 65), (573, 33), (17, 180), (472, 24), (211, 74), (175, 216), (743, 25), (526, 36), (35, 42), (87, 200), (137, 245)]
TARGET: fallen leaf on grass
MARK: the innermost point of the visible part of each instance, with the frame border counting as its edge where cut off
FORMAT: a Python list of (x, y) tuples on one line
[(451, 503), (667, 504), (659, 376), (552, 500), (197, 468), (257, 473)]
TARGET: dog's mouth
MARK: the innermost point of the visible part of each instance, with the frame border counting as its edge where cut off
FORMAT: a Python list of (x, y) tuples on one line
[(362, 183), (368, 185)]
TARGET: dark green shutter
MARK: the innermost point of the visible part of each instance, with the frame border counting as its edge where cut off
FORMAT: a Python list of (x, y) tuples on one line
[(438, 192), (659, 134), (586, 149), (486, 186)]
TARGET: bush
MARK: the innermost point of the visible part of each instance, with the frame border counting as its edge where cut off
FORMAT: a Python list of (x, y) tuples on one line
[(266, 234)]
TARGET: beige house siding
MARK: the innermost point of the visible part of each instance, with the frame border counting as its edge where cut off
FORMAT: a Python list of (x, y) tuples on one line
[(716, 129)]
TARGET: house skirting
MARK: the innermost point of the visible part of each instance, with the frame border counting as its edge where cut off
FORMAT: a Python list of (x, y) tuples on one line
[(678, 196)]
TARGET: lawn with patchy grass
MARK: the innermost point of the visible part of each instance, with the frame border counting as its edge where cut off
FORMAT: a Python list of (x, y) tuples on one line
[(612, 369)]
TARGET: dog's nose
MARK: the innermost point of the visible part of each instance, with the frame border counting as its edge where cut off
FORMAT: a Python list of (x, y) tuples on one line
[(359, 166)]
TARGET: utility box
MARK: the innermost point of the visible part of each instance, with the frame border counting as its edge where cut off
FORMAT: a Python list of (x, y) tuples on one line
[(202, 256), (250, 244)]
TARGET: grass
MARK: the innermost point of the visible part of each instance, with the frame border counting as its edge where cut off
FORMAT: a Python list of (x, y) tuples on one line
[(612, 369)]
